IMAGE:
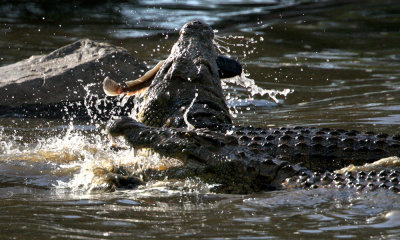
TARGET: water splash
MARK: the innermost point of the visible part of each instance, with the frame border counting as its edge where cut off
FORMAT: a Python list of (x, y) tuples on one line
[(100, 108), (244, 82), (59, 157), (254, 90), (78, 161), (248, 94)]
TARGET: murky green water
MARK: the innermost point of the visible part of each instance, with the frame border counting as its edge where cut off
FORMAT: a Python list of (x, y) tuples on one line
[(338, 60)]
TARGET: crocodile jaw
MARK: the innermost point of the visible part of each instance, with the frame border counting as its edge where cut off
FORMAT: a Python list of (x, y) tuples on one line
[(187, 89)]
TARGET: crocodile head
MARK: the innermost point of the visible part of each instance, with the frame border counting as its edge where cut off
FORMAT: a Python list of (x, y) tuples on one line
[(186, 91), (178, 113)]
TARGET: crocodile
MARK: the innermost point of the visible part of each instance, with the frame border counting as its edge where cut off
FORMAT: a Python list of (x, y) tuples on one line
[(182, 114)]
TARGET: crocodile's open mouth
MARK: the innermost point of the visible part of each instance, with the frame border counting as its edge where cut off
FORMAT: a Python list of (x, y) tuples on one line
[(227, 68), (185, 89), (192, 59)]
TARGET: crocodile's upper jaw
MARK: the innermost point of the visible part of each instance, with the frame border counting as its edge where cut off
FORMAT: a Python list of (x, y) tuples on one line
[(186, 90)]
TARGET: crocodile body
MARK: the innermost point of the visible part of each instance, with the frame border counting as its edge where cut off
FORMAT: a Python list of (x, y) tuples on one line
[(183, 115)]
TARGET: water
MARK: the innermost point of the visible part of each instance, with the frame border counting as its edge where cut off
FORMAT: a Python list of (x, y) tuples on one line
[(313, 63)]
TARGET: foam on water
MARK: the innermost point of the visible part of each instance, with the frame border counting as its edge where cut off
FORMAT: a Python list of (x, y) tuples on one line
[(71, 151), (77, 161)]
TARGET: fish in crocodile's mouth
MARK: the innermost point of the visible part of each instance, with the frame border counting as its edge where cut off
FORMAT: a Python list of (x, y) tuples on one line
[(227, 68), (169, 88), (112, 88)]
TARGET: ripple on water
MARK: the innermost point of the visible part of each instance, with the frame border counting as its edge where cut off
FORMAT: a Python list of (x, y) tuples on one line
[(336, 213)]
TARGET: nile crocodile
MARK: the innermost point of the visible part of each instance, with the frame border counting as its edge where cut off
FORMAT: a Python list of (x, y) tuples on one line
[(183, 115)]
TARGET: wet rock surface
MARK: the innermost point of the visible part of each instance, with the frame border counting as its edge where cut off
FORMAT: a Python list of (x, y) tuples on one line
[(53, 84)]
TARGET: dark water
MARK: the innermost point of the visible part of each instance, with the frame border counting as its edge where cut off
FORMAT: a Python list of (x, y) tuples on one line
[(337, 63)]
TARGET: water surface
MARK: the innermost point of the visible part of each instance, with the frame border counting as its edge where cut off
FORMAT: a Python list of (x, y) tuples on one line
[(310, 63)]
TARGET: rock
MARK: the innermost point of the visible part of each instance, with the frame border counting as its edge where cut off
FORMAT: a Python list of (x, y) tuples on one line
[(60, 77)]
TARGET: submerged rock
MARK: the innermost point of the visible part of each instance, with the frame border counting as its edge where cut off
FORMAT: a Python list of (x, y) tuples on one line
[(44, 83)]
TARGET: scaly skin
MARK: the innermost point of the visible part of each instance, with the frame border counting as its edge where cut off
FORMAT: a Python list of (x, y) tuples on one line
[(183, 115), (190, 70), (246, 159)]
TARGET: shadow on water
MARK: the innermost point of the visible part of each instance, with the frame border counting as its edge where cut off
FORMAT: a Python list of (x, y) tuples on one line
[(335, 63)]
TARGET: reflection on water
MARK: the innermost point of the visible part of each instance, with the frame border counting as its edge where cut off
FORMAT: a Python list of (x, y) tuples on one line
[(319, 63)]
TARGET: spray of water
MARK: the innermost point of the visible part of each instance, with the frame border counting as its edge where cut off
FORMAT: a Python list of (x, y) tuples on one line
[(98, 107), (249, 84), (77, 161), (223, 45), (80, 158)]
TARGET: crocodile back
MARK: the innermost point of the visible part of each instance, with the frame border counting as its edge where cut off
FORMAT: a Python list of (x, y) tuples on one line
[(319, 148)]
